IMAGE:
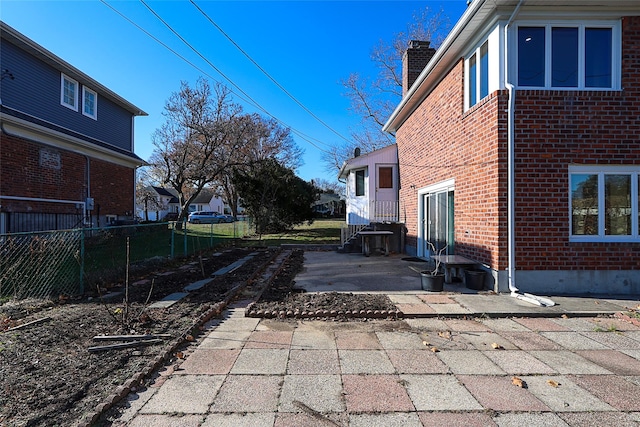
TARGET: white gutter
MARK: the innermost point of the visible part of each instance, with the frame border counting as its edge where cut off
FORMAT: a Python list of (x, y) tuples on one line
[(533, 299)]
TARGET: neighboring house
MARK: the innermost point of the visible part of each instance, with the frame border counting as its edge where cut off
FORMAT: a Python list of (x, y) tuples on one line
[(328, 205), (163, 203), (207, 200), (372, 187), (519, 144), (67, 151)]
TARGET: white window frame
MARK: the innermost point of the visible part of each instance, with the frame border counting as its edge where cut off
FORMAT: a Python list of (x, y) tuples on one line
[(479, 76), (616, 52), (85, 91), (601, 172), (63, 78)]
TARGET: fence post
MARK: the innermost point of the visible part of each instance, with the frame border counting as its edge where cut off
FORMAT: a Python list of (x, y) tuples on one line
[(173, 231), (82, 261), (184, 230)]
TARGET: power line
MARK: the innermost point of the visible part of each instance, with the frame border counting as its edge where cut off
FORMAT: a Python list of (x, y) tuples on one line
[(265, 72), (248, 98)]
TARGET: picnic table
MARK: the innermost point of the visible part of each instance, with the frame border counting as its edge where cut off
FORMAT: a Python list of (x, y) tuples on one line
[(453, 264), (366, 244)]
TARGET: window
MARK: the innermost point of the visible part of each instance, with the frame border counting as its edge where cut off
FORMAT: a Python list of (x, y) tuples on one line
[(69, 92), (360, 182), (569, 56), (605, 203), (385, 177), (89, 103), (478, 75)]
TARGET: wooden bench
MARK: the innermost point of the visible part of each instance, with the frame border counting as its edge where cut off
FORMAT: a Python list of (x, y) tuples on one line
[(453, 264), (366, 244)]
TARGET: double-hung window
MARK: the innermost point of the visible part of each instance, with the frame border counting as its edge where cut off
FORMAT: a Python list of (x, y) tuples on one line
[(569, 55), (69, 92), (605, 203), (89, 103), (477, 72)]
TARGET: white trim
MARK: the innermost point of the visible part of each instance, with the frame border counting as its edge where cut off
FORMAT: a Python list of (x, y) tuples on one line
[(448, 185), (85, 91), (601, 172), (24, 129), (63, 78)]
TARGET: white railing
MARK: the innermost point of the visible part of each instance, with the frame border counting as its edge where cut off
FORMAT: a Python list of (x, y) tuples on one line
[(349, 232), (384, 211)]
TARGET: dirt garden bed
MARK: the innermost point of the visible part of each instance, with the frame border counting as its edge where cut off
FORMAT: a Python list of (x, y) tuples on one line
[(48, 376)]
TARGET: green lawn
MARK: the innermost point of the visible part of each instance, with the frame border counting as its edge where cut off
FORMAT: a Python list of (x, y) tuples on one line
[(321, 232)]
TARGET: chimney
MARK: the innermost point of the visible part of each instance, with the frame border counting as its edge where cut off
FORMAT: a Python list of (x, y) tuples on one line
[(415, 58)]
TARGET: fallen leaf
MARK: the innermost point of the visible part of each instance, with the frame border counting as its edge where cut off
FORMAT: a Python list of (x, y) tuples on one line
[(519, 382), (425, 343), (564, 316), (553, 383), (596, 302), (445, 334), (434, 349), (497, 346), (189, 338)]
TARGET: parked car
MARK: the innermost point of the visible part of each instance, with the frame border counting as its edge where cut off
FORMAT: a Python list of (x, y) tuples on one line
[(228, 218), (205, 217)]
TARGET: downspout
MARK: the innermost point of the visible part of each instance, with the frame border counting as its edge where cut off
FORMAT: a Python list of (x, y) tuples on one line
[(533, 299)]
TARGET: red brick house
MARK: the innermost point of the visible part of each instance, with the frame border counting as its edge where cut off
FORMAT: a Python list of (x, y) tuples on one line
[(67, 143), (519, 145)]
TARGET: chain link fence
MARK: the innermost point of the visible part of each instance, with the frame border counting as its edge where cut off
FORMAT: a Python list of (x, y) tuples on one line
[(46, 264)]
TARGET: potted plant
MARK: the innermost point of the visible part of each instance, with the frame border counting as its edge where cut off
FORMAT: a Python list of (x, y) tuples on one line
[(433, 280)]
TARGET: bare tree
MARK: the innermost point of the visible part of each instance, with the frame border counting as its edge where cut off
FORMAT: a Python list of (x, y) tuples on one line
[(374, 99), (193, 146)]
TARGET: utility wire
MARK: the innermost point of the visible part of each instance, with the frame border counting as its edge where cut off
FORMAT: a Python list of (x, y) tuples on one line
[(197, 52), (265, 72), (249, 100)]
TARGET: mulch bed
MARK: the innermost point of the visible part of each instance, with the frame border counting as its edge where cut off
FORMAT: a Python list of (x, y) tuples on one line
[(283, 300)]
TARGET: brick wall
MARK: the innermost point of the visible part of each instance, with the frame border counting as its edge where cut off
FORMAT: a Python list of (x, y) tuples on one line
[(552, 130), (33, 170), (438, 142), (556, 128)]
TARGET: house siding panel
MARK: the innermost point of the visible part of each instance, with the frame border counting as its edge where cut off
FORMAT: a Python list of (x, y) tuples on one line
[(35, 90)]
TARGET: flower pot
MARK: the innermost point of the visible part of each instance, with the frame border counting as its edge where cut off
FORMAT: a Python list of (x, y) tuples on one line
[(432, 282), (474, 279)]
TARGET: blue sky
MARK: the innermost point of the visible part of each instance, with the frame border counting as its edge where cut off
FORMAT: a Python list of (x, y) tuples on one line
[(307, 46)]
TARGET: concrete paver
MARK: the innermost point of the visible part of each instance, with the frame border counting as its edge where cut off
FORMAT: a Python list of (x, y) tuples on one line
[(617, 392), (456, 419), (259, 373), (439, 393), (375, 393), (365, 362), (189, 394), (566, 396), (472, 362), (517, 362), (566, 362), (500, 394), (322, 393)]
